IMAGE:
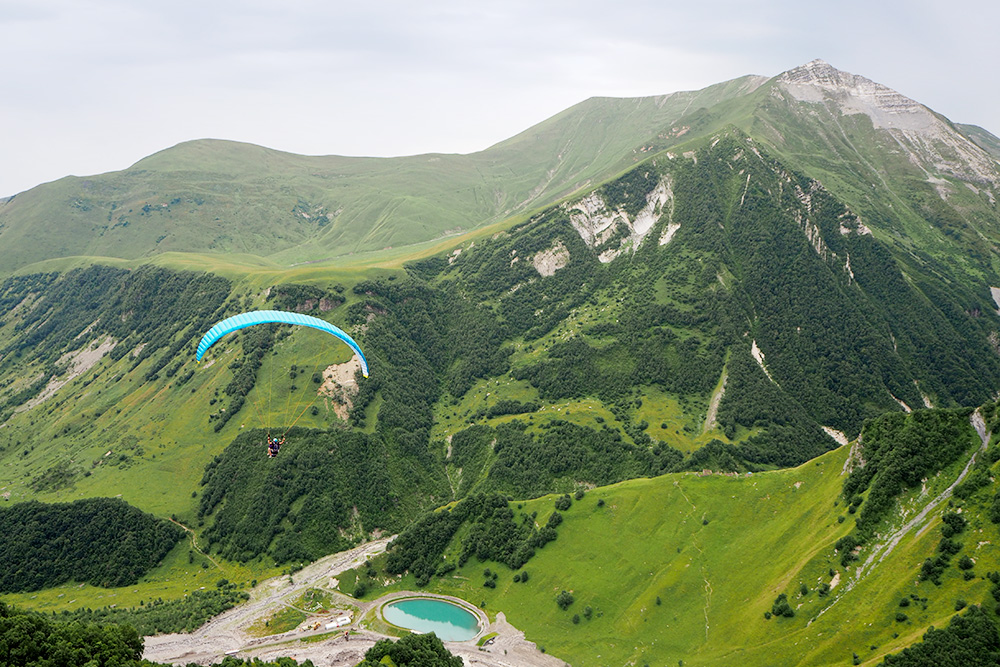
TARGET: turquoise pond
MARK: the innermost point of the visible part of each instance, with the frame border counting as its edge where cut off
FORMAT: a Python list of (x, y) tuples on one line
[(448, 621)]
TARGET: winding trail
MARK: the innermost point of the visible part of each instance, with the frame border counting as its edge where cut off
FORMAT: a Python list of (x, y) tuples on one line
[(194, 543)]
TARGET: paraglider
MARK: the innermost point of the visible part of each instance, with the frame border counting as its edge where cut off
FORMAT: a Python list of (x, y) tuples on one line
[(243, 320), (248, 319)]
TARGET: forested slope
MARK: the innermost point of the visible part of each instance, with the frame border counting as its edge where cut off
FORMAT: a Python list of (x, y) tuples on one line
[(717, 310), (101, 541)]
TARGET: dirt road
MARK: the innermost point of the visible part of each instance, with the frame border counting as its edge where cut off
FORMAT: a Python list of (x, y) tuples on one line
[(229, 632)]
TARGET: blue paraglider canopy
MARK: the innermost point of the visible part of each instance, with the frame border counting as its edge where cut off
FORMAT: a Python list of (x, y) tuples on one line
[(243, 320)]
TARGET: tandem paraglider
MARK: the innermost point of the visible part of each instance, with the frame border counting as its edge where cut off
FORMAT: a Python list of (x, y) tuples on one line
[(252, 318)]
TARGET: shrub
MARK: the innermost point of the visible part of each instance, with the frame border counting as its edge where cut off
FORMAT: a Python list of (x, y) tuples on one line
[(952, 524), (781, 607), (950, 547), (564, 600)]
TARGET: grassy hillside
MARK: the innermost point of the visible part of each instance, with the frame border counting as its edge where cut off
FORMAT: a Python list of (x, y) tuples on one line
[(230, 198), (655, 348), (983, 138), (705, 556)]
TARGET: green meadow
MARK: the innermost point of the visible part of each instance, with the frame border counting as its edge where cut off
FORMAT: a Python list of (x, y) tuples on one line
[(680, 569)]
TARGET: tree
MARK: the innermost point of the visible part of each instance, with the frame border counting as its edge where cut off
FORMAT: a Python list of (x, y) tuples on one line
[(411, 651), (781, 607)]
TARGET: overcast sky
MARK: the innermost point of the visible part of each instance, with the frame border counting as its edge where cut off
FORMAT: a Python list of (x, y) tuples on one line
[(90, 86)]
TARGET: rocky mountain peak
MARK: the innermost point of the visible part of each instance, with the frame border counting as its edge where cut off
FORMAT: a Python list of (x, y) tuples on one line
[(932, 143), (817, 80)]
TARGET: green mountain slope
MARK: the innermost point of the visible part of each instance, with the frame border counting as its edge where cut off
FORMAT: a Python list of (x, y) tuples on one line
[(738, 280), (716, 310), (983, 139), (690, 568), (226, 197)]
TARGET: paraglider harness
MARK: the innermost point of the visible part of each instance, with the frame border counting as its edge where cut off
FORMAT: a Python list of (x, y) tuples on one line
[(273, 446)]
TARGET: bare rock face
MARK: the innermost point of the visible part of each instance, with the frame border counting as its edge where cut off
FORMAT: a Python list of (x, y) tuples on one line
[(340, 386), (930, 143), (598, 224), (815, 81), (549, 261)]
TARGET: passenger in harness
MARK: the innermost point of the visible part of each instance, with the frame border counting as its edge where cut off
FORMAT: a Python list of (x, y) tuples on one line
[(273, 446)]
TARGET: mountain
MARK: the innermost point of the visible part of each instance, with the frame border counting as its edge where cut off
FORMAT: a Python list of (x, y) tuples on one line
[(737, 279), (712, 569), (226, 197), (982, 138)]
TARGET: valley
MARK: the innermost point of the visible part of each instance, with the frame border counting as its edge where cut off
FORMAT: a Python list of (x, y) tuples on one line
[(724, 372)]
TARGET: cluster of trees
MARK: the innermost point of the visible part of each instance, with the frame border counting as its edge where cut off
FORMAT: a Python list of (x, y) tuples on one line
[(781, 607), (899, 450), (525, 464), (932, 568), (28, 640), (300, 505), (305, 298), (16, 289), (158, 616), (505, 407), (420, 341), (410, 651), (628, 193), (495, 533), (752, 401), (970, 640), (101, 541)]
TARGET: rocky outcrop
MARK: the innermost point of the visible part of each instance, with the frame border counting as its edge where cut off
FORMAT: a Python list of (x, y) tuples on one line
[(930, 143), (340, 386), (549, 261), (611, 231)]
